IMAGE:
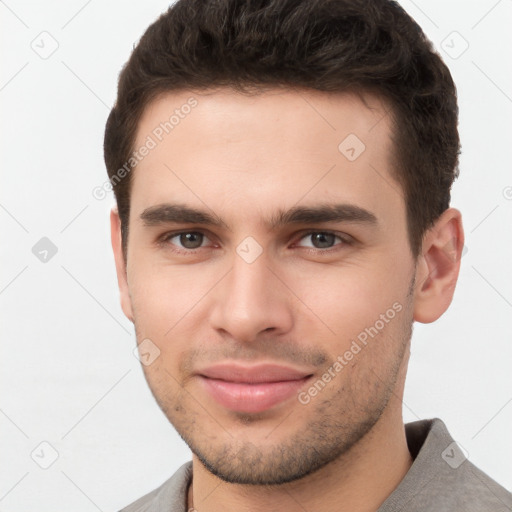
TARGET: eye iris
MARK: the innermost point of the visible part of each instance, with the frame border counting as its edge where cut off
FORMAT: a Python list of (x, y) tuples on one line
[(191, 240), (324, 239)]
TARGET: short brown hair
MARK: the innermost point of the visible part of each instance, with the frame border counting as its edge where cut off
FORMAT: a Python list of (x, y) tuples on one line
[(325, 45)]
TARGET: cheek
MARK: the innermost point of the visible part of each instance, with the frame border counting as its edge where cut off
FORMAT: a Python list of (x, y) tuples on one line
[(166, 302), (164, 291), (348, 299)]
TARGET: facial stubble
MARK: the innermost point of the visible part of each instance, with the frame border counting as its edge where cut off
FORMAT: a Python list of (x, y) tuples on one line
[(309, 438)]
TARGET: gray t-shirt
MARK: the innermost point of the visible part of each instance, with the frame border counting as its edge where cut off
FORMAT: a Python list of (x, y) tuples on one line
[(440, 479)]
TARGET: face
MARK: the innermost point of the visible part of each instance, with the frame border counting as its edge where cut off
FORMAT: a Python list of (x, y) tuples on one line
[(269, 276)]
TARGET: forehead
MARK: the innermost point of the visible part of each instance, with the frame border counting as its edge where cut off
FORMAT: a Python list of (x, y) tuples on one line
[(275, 148), (225, 115)]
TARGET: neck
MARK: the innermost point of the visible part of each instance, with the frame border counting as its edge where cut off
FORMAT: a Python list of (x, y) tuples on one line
[(359, 481)]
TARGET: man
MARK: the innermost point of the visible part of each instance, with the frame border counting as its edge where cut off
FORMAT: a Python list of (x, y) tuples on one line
[(282, 172)]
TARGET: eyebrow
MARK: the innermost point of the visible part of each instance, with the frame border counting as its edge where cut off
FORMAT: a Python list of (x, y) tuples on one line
[(181, 213)]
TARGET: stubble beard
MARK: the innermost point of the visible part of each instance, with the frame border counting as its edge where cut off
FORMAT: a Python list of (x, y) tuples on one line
[(337, 421)]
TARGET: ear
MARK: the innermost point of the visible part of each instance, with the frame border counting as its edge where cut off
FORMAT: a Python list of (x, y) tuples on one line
[(122, 276), (438, 267)]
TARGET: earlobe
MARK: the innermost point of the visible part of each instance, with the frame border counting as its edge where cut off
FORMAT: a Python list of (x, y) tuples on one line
[(438, 267), (121, 269)]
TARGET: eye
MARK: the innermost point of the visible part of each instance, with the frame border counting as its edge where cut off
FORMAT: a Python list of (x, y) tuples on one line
[(187, 240), (324, 239)]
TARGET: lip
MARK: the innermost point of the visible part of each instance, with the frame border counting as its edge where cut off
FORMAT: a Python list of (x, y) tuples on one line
[(251, 389)]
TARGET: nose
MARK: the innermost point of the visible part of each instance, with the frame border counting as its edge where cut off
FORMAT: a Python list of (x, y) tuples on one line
[(251, 299)]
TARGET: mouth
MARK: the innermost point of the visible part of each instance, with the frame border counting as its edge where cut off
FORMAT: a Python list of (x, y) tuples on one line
[(251, 389)]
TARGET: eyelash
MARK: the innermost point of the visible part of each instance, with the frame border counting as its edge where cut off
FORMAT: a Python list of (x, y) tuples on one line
[(164, 241)]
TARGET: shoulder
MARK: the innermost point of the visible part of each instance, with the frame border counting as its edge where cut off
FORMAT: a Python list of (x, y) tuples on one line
[(168, 497), (442, 478)]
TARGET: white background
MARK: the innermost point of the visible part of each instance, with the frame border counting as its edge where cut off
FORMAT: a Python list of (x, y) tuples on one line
[(68, 374)]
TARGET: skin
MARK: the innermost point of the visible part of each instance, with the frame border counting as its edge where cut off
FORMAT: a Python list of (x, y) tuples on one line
[(299, 303)]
